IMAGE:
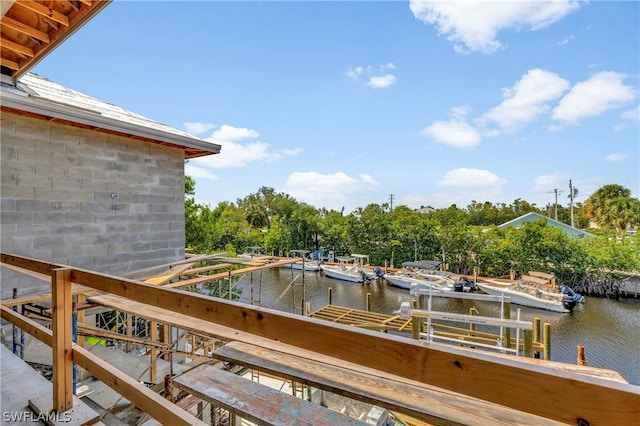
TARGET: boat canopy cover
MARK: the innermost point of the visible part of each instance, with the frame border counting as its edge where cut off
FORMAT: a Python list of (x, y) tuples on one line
[(423, 264), (300, 252)]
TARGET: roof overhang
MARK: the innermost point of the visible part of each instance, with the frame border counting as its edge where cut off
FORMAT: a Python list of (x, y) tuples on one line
[(31, 29), (41, 108)]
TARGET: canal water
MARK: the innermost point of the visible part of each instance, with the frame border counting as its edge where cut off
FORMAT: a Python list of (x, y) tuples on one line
[(609, 330)]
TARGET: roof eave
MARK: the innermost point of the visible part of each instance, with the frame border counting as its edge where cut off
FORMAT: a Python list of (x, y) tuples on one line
[(195, 147)]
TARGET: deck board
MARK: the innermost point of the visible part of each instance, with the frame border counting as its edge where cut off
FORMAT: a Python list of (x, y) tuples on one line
[(255, 402), (427, 403)]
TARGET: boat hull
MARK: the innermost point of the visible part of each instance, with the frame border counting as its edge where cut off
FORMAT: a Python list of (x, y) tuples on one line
[(344, 275), (308, 267), (525, 299)]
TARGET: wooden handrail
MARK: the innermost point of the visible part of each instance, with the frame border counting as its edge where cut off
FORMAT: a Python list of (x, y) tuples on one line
[(532, 386)]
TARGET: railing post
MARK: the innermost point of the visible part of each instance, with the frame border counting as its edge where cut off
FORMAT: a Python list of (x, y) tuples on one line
[(128, 319), (153, 371), (81, 300), (62, 340)]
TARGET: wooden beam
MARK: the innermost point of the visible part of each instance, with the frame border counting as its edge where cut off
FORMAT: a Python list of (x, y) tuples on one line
[(62, 340), (18, 48), (153, 367), (41, 333), (459, 370), (255, 402), (593, 399), (9, 64), (142, 397), (44, 11), (423, 402), (87, 330), (27, 30), (224, 275)]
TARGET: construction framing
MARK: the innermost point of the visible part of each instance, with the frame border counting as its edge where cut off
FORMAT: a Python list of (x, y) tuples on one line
[(531, 386)]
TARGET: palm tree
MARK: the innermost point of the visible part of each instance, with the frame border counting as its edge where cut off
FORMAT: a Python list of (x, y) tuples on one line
[(612, 205)]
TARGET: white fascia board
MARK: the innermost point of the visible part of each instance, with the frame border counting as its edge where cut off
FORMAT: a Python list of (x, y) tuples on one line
[(86, 117)]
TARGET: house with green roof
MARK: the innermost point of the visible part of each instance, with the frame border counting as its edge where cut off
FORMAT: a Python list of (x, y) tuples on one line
[(533, 216)]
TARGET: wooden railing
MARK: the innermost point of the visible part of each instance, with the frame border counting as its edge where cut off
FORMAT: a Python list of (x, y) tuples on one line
[(561, 392)]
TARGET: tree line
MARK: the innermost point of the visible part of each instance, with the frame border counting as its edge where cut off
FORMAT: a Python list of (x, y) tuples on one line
[(466, 239)]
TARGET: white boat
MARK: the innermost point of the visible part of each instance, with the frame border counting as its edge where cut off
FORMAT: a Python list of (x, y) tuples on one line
[(362, 261), (345, 270), (420, 273), (528, 293), (308, 264)]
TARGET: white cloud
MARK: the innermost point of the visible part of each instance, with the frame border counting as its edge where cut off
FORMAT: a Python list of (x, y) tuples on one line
[(565, 40), (376, 80), (239, 149), (527, 99), (197, 128), (470, 178), (602, 92), (383, 81), (228, 133), (473, 25), (455, 132), (632, 115), (387, 66), (354, 73), (616, 156), (198, 172), (546, 183), (327, 190)]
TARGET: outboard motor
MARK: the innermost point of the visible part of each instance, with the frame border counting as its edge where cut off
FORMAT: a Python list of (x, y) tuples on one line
[(468, 283), (572, 294), (458, 286), (569, 303), (379, 272)]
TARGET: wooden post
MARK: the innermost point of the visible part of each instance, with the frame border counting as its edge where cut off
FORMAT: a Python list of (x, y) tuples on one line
[(582, 360), (416, 322), (330, 296), (368, 302), (62, 340), (472, 326), (536, 330), (81, 299), (15, 329), (164, 338), (536, 334), (168, 389), (129, 325), (153, 368), (528, 343), (506, 333), (547, 341)]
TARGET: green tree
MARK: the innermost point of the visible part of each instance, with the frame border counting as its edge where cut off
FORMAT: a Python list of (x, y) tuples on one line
[(612, 206)]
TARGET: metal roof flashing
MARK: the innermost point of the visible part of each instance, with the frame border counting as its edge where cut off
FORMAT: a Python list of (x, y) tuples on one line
[(42, 98)]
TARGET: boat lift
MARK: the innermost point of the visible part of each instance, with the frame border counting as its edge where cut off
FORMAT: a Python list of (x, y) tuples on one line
[(407, 312)]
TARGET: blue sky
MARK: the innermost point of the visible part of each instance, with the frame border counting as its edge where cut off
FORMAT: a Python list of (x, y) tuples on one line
[(344, 103)]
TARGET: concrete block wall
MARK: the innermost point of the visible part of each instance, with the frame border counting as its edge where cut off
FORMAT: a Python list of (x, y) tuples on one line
[(87, 199)]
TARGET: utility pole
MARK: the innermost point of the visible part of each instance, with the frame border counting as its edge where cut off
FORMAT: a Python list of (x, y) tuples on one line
[(391, 200), (555, 206), (573, 193)]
